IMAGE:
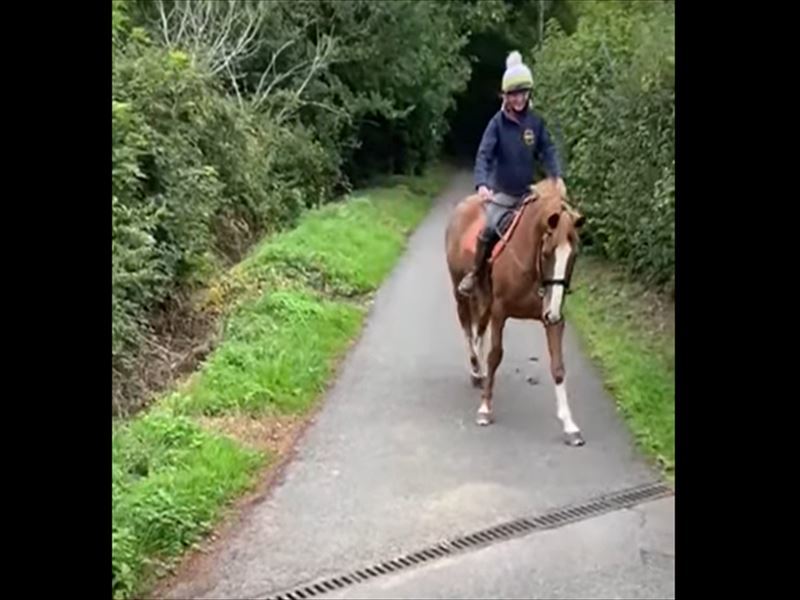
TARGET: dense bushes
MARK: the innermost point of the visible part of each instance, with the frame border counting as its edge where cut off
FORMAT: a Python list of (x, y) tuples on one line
[(230, 118), (608, 92), (193, 178)]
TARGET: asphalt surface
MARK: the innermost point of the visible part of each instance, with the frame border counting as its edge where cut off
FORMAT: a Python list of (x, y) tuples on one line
[(627, 554), (394, 463)]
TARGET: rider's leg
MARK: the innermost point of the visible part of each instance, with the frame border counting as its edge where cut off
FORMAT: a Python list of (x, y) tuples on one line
[(486, 241)]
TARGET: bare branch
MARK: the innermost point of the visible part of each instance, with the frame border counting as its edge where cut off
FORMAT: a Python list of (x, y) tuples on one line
[(218, 33), (232, 77), (328, 107), (324, 49), (164, 25), (218, 44), (221, 34), (184, 21), (259, 88), (285, 75)]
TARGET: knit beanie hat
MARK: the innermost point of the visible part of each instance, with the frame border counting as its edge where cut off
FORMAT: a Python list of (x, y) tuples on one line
[(518, 75)]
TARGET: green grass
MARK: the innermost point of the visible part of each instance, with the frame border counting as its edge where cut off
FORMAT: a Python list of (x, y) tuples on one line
[(629, 331), (169, 480), (291, 310), (345, 249), (278, 354)]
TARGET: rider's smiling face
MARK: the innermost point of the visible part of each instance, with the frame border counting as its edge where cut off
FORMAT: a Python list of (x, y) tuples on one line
[(517, 99)]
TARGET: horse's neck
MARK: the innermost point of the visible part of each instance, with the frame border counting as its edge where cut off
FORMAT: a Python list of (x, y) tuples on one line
[(525, 244)]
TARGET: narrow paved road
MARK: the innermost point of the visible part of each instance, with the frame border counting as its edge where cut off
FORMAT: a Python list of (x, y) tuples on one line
[(394, 463)]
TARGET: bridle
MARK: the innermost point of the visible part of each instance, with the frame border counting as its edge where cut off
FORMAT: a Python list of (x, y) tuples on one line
[(550, 282), (545, 283)]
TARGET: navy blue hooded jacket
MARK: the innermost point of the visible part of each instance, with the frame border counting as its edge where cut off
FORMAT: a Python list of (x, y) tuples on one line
[(505, 160)]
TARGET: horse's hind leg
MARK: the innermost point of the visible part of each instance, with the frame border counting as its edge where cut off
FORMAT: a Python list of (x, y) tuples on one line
[(572, 434), (493, 336), (470, 334)]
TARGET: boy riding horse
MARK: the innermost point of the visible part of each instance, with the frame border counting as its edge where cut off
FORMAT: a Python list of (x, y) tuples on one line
[(514, 138)]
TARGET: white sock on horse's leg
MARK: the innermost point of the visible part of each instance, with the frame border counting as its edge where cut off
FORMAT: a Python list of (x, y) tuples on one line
[(475, 371), (485, 346), (564, 412), (474, 343)]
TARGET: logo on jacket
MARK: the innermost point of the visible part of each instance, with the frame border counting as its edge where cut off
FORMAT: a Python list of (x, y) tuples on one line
[(527, 137)]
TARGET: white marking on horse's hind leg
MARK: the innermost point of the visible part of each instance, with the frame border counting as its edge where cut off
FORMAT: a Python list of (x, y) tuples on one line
[(476, 349), (559, 271), (564, 412), (474, 364), (485, 347), (474, 371)]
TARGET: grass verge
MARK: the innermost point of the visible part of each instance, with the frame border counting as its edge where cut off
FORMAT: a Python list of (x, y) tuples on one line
[(291, 309), (630, 331)]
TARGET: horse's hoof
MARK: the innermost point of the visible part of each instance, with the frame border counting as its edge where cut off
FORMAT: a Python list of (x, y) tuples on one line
[(484, 419), (574, 439), (477, 380)]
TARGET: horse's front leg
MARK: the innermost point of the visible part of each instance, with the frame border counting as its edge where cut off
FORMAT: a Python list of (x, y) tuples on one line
[(555, 335), (491, 361)]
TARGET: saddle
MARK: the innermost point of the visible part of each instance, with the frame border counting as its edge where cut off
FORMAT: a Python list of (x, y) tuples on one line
[(470, 239)]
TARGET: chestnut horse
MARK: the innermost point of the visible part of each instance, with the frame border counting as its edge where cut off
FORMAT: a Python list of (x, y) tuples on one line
[(529, 275)]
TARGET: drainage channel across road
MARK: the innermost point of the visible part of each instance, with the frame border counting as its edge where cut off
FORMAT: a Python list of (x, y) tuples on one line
[(498, 533)]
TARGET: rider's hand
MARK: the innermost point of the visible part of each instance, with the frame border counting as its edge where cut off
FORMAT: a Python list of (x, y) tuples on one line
[(485, 193)]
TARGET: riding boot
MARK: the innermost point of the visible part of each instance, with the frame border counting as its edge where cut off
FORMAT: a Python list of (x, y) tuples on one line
[(467, 285)]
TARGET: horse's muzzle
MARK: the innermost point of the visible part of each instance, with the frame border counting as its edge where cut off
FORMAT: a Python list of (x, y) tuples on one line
[(549, 320)]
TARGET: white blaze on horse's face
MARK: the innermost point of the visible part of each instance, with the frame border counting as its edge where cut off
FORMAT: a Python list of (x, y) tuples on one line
[(554, 297)]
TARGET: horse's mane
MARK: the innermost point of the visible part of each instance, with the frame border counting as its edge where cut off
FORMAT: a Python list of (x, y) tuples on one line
[(547, 193), (547, 198)]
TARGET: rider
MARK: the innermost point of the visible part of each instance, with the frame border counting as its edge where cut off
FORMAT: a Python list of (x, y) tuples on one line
[(513, 139)]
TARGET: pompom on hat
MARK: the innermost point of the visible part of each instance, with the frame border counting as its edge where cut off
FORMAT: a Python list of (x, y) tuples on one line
[(518, 75)]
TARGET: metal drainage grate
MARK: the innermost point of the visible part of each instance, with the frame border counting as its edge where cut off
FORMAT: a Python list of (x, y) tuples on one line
[(485, 537)]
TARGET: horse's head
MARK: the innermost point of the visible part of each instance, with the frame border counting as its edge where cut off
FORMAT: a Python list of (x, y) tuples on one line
[(557, 256)]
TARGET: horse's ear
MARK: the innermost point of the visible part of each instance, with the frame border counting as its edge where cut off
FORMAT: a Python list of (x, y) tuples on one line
[(552, 220)]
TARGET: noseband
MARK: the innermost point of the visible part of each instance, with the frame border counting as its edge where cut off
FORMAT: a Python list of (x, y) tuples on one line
[(545, 283), (550, 282)]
